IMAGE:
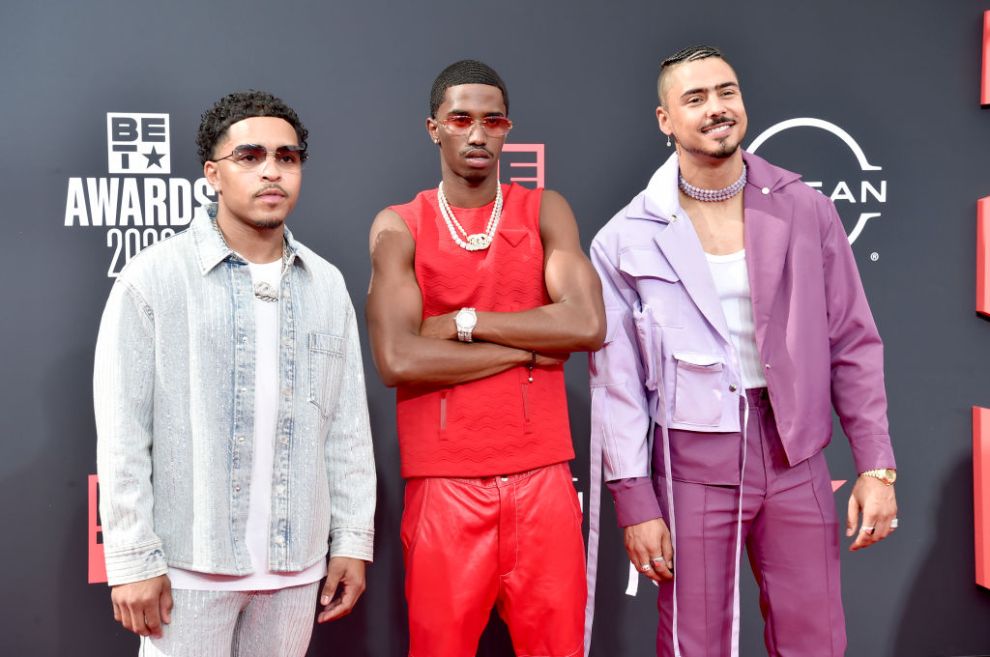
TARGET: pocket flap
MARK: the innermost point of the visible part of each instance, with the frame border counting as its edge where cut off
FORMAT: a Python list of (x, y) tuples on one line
[(704, 361), (513, 235), (646, 263), (326, 343)]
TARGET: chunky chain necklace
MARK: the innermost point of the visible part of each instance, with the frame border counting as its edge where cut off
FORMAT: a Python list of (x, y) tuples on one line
[(712, 195), (477, 241)]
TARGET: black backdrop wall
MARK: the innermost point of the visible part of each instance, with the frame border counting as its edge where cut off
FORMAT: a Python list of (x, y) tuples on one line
[(888, 94)]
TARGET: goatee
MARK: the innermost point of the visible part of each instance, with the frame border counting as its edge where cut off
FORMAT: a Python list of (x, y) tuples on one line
[(268, 224), (725, 150)]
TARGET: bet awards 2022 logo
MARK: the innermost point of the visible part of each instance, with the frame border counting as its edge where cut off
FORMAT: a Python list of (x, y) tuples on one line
[(138, 203), (831, 161)]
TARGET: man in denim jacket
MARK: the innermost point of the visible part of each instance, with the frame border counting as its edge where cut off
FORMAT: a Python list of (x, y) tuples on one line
[(234, 447), (712, 398)]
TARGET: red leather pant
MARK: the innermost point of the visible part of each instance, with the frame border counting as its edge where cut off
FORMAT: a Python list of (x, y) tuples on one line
[(513, 542)]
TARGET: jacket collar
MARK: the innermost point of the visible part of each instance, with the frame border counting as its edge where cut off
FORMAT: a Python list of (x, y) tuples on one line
[(767, 235), (660, 200), (212, 248)]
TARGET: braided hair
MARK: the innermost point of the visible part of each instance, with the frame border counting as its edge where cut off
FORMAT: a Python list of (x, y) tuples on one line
[(690, 54)]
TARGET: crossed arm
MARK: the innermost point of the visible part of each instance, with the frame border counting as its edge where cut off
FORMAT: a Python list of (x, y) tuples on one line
[(408, 349)]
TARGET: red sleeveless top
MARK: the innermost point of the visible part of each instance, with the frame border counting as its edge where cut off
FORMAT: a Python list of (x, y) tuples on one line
[(503, 423)]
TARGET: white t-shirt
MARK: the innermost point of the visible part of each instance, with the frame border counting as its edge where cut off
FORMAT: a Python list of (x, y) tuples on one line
[(265, 423), (732, 283)]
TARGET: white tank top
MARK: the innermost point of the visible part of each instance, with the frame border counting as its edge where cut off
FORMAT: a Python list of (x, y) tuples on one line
[(732, 283)]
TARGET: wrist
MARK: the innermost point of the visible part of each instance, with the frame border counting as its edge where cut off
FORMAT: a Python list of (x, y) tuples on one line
[(464, 322), (887, 475)]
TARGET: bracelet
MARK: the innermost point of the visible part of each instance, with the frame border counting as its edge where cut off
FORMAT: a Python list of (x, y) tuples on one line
[(532, 364)]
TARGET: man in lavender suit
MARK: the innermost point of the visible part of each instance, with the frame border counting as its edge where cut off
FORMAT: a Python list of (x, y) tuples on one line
[(736, 321)]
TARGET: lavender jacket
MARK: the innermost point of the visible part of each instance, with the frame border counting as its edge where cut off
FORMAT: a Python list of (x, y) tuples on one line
[(667, 357)]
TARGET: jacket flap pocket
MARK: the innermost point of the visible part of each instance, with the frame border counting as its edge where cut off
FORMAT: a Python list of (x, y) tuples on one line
[(699, 361), (326, 343), (646, 263)]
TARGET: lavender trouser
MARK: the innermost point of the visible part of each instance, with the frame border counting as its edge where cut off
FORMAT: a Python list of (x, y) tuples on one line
[(791, 534)]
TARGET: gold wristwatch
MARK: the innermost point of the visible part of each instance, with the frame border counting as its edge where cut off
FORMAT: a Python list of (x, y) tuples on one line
[(886, 475)]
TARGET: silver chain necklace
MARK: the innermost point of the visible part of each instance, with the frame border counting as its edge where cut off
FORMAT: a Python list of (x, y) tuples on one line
[(477, 241), (712, 195)]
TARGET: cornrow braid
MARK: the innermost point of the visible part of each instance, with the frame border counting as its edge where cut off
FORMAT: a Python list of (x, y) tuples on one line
[(690, 54), (466, 71)]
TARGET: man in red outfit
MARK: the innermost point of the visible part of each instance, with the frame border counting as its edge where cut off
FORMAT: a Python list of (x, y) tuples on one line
[(479, 291)]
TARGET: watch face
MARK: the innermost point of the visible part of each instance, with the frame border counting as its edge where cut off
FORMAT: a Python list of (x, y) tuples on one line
[(890, 475), (465, 320)]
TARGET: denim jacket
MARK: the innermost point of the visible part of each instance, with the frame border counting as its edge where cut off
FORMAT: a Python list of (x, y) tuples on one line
[(174, 398)]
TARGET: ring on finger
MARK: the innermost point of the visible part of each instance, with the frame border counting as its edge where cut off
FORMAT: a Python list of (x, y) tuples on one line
[(893, 523), (658, 560), (645, 567)]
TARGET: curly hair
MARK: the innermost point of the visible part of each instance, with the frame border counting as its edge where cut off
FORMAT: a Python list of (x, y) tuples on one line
[(239, 106), (690, 54), (466, 71)]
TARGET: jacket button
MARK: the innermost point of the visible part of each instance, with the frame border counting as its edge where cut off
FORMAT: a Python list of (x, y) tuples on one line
[(765, 190), (733, 387)]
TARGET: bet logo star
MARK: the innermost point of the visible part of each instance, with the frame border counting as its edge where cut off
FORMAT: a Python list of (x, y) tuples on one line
[(154, 158)]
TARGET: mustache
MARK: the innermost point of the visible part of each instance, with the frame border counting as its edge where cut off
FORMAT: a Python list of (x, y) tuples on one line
[(718, 121), (271, 186), (476, 149)]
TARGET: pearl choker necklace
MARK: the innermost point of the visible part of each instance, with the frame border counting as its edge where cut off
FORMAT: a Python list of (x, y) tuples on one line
[(477, 241), (712, 195)]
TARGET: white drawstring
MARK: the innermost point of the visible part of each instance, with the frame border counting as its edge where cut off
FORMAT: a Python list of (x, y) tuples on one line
[(594, 506), (736, 616), (671, 523), (673, 532)]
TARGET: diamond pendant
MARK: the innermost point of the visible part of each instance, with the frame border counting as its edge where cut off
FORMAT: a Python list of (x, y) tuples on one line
[(265, 292), (478, 241)]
